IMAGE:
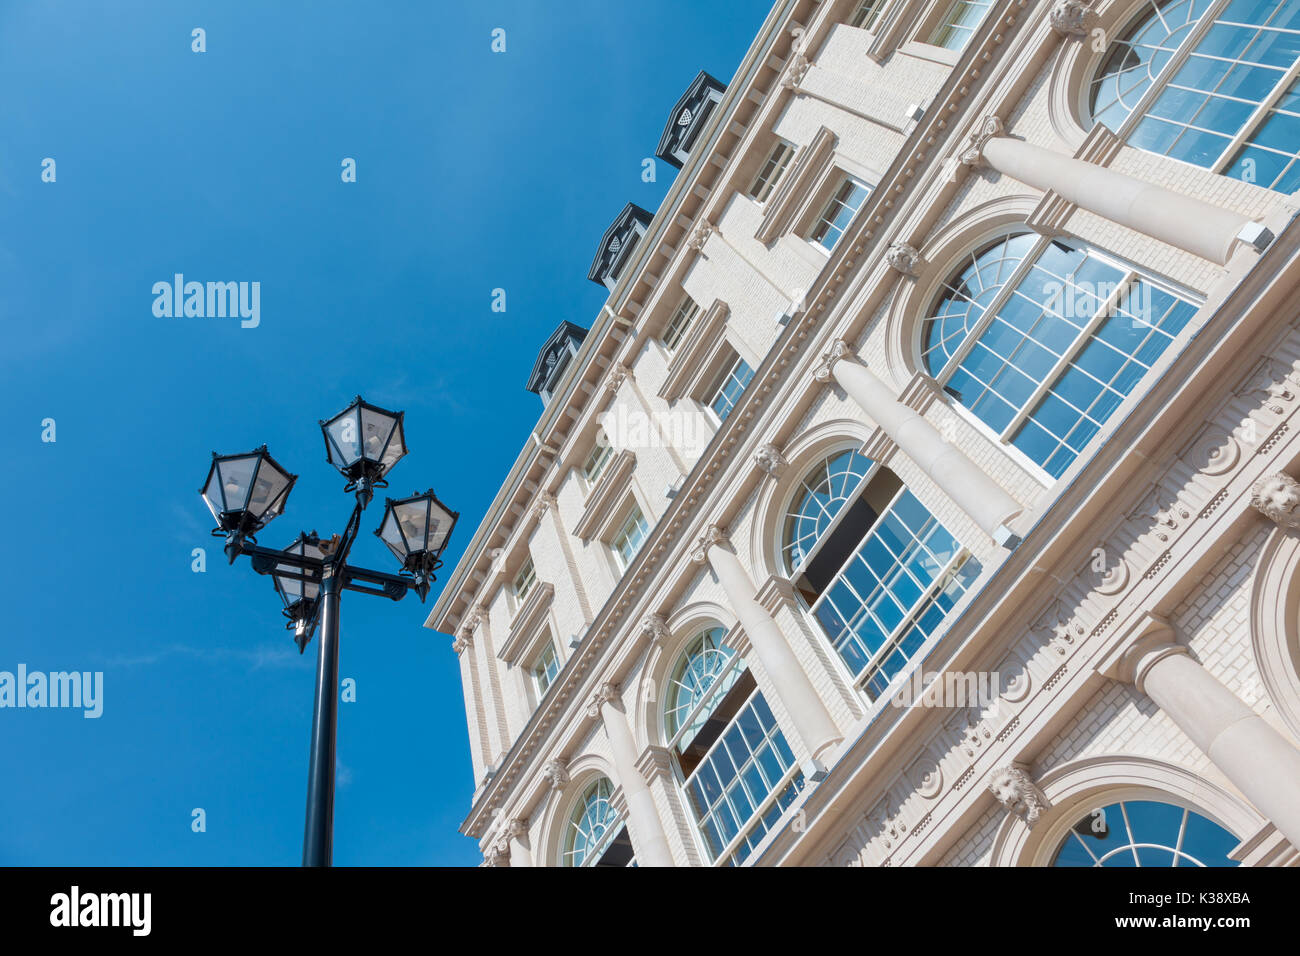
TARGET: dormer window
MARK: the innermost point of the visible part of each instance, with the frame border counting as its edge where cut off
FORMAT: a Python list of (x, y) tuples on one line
[(689, 118), (554, 360), (617, 245)]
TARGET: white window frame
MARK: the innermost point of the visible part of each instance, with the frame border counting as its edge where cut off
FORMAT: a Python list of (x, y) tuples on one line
[(824, 224), (687, 311), (634, 516), (770, 172), (715, 391), (539, 668)]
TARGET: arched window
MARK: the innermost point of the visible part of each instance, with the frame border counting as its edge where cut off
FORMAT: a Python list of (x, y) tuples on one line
[(877, 570), (1209, 83), (827, 487), (1145, 833), (737, 769), (1042, 340), (595, 835)]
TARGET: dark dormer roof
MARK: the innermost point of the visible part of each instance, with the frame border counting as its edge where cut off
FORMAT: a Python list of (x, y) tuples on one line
[(618, 241), (688, 117), (553, 357)]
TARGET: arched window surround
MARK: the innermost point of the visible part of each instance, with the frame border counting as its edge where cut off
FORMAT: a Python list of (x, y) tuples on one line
[(1075, 788), (955, 257), (1275, 623), (1077, 64)]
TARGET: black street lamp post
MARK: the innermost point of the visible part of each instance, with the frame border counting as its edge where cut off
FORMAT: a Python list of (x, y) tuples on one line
[(245, 492)]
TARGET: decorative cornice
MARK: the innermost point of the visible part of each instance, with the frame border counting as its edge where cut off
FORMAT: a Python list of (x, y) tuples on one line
[(714, 534), (1012, 787), (973, 154), (903, 257), (769, 460), (839, 349), (691, 359), (1277, 497)]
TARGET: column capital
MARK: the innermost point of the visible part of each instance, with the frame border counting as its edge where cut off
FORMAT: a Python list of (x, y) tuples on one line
[(769, 460), (839, 349), (903, 257), (714, 534), (1071, 18), (544, 503), (796, 71), (607, 694), (463, 643), (1277, 497), (973, 154), (1150, 641)]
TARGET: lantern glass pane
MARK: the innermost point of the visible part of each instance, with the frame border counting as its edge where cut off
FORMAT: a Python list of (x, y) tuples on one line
[(236, 479), (268, 491), (376, 427), (345, 439), (212, 494), (389, 534), (413, 516)]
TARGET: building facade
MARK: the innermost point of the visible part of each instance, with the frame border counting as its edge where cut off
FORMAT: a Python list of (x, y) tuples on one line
[(922, 493)]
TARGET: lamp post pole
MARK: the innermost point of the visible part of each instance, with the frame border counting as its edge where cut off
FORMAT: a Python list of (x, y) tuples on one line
[(318, 838), (244, 492)]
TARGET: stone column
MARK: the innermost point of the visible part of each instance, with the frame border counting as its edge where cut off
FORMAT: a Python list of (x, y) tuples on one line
[(812, 720), (643, 817), (1258, 760), (517, 837), (1200, 228), (960, 478)]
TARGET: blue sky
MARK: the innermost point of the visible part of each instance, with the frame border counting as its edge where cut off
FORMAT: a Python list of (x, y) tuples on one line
[(475, 171)]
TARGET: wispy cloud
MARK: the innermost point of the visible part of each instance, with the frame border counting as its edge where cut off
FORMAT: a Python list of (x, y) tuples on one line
[(255, 658), (342, 773)]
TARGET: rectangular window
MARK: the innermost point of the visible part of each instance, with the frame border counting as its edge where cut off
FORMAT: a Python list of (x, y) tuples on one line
[(770, 173), (893, 592), (867, 15), (631, 535), (744, 782), (524, 581), (680, 322), (597, 458), (959, 23), (726, 393), (839, 212), (545, 669)]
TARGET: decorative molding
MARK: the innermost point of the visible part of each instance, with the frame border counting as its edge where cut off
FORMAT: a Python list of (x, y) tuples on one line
[(692, 359), (769, 460), (795, 190), (1071, 18), (606, 497), (655, 762), (839, 349), (795, 71), (973, 154), (616, 377), (920, 393), (529, 625), (714, 534), (655, 627), (700, 236), (776, 592), (463, 643), (607, 693), (556, 773), (904, 257), (544, 502), (1012, 787), (1277, 497)]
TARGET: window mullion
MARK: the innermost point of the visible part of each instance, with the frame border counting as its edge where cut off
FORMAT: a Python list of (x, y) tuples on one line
[(1256, 118), (1008, 289), (705, 699), (1161, 79), (1110, 305), (777, 790), (839, 572)]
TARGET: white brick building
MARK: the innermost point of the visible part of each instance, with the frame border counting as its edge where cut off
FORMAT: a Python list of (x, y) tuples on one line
[(964, 344)]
